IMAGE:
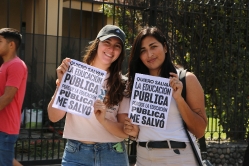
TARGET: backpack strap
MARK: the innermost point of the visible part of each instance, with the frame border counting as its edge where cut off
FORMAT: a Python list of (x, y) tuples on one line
[(182, 75)]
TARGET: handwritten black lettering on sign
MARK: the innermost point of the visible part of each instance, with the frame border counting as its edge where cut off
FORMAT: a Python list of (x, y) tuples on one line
[(79, 89), (150, 101)]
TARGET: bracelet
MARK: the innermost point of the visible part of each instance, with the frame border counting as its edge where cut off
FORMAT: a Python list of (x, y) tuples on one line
[(57, 82), (132, 138)]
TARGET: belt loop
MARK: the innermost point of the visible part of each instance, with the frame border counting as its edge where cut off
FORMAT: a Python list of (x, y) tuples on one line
[(168, 141), (147, 145), (110, 146), (79, 145)]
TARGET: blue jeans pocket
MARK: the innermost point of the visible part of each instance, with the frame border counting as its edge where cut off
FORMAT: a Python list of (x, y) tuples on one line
[(71, 147)]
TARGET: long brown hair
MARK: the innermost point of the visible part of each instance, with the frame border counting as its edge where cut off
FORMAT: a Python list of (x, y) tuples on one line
[(115, 82)]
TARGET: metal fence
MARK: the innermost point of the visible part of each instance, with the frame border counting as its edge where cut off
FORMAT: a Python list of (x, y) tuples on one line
[(210, 38)]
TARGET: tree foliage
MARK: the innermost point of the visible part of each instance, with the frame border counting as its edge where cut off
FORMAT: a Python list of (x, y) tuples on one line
[(212, 41)]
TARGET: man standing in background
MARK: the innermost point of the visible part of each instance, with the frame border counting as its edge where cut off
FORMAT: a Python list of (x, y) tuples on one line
[(13, 79)]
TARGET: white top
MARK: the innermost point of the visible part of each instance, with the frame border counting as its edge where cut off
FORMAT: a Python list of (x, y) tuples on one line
[(174, 131), (83, 129)]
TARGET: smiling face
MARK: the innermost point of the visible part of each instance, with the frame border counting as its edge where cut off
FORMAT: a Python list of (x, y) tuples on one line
[(152, 54), (108, 51)]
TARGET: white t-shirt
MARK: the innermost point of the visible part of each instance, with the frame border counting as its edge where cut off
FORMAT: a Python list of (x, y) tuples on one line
[(174, 128), (174, 131)]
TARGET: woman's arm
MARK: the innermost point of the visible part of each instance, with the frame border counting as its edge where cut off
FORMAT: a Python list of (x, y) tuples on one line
[(193, 109), (55, 114), (115, 128)]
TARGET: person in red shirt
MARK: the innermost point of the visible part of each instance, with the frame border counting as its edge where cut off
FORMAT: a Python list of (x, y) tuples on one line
[(13, 79)]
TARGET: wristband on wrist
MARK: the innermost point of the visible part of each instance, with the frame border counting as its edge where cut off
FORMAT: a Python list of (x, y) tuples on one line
[(57, 83), (132, 138)]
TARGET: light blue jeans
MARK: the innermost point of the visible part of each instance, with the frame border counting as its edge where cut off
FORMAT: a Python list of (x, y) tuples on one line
[(7, 143), (99, 154)]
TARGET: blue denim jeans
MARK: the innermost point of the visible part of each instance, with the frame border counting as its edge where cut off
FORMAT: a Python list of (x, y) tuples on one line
[(7, 143), (99, 154)]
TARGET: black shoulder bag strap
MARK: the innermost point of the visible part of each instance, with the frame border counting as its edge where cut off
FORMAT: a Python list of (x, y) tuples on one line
[(182, 74)]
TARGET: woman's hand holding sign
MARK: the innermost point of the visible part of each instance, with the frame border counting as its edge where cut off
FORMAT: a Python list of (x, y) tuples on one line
[(62, 68), (56, 114), (99, 111), (176, 85), (130, 129)]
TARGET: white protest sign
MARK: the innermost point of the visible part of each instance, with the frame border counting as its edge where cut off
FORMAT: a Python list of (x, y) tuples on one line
[(150, 101), (79, 89)]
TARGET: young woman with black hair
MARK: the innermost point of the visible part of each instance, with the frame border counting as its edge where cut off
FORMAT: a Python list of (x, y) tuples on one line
[(170, 146)]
